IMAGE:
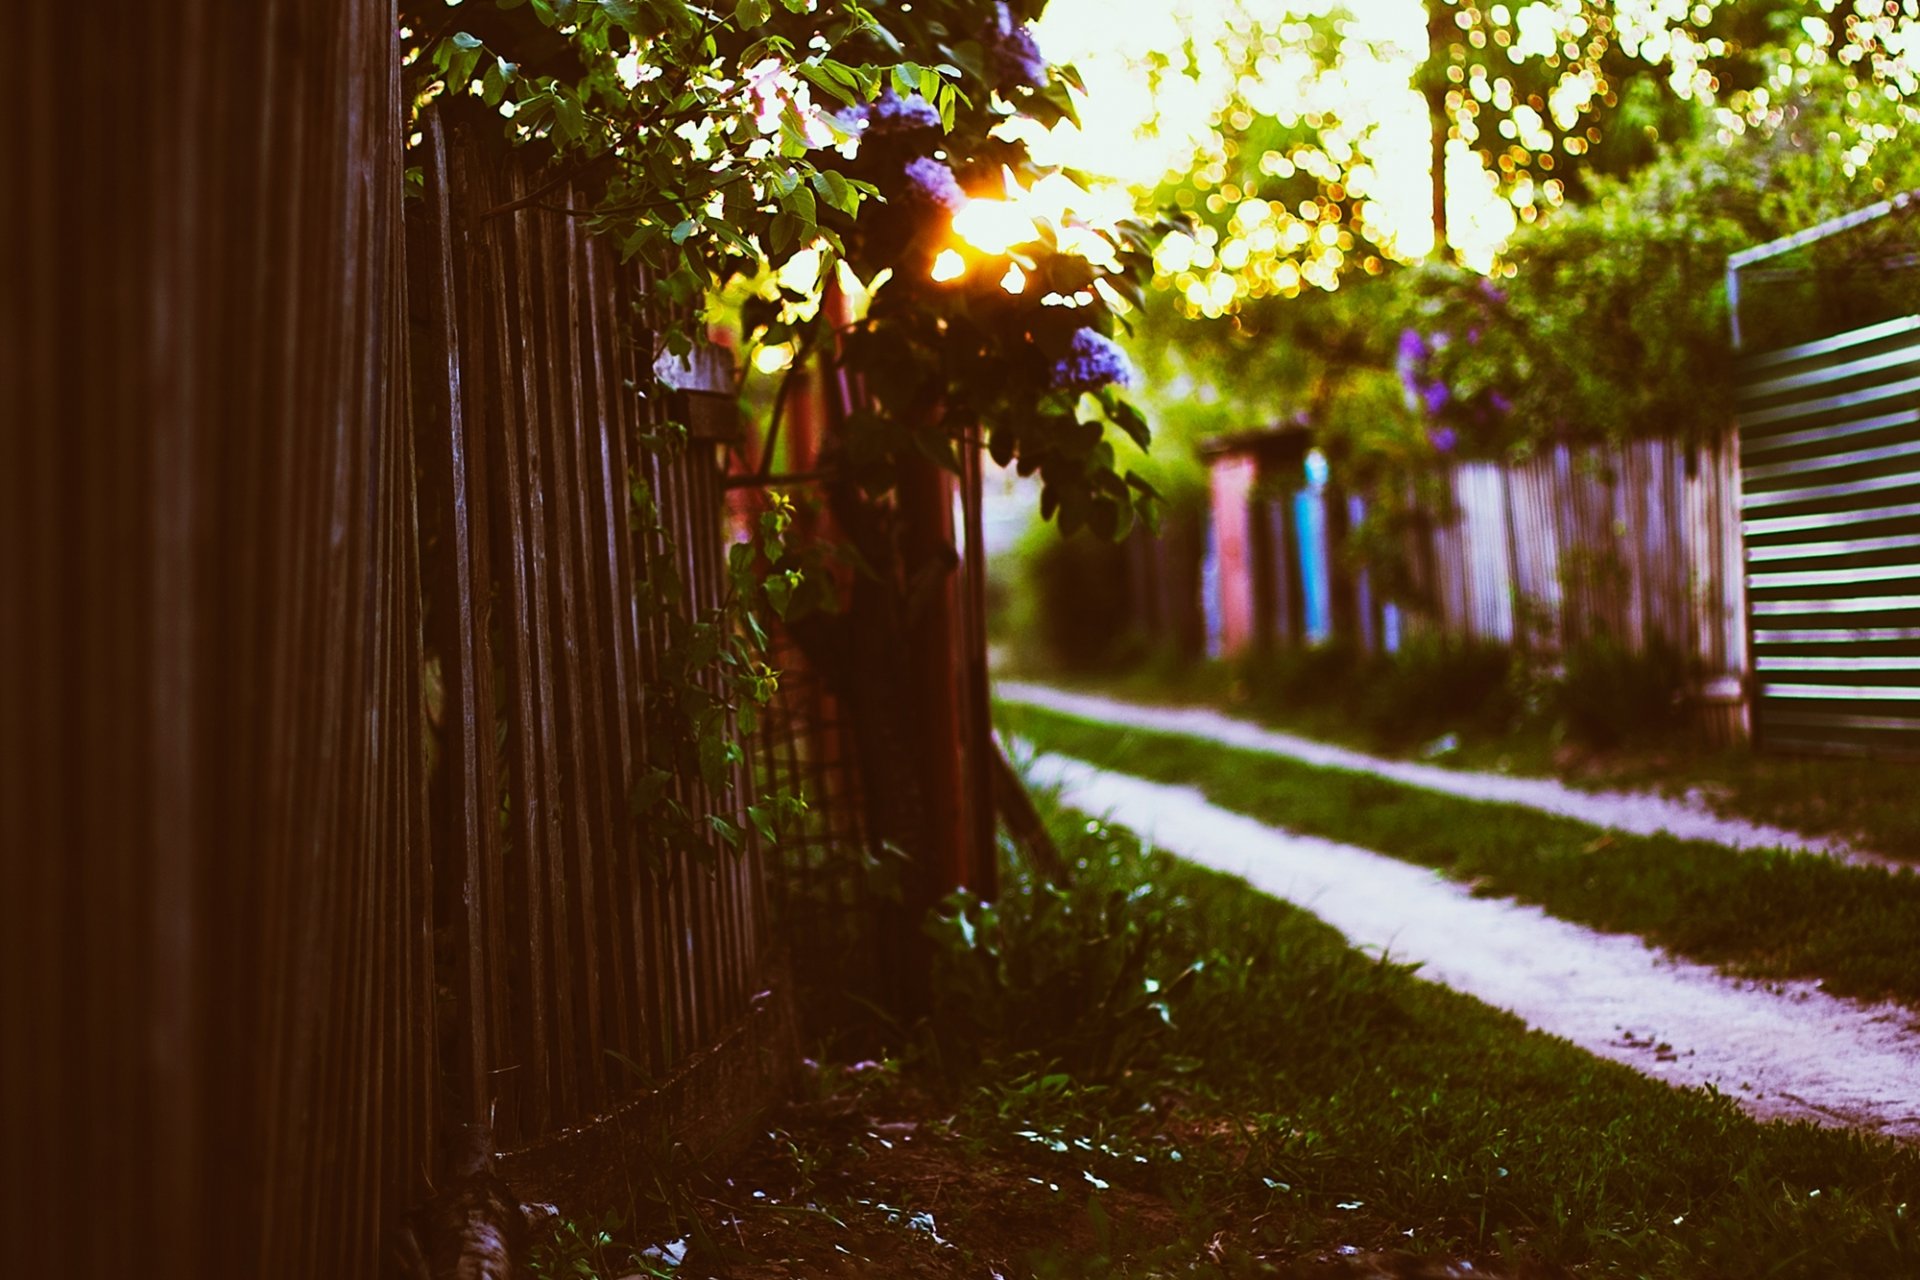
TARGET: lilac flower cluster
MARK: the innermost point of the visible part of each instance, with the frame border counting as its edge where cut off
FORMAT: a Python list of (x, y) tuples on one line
[(1012, 56), (893, 113), (931, 182), (890, 113), (1093, 361), (1428, 393), (1423, 391)]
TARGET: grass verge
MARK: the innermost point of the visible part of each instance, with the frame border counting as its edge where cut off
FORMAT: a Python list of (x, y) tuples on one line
[(1869, 802), (1160, 1071), (1758, 914)]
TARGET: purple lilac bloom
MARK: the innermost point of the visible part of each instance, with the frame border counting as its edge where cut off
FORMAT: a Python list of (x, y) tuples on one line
[(1092, 362), (933, 183), (891, 113), (1500, 403), (1012, 56), (1491, 291), (1406, 362), (1434, 395), (1443, 439), (1413, 349)]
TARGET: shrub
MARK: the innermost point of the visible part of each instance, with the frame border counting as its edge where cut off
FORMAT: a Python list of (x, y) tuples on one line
[(1302, 679), (1078, 594), (1609, 694), (1078, 976), (1434, 685)]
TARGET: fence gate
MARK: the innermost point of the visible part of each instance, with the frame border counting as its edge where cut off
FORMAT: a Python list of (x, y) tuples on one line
[(1830, 471)]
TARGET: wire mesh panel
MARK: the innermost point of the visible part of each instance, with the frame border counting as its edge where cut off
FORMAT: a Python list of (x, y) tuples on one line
[(1830, 470)]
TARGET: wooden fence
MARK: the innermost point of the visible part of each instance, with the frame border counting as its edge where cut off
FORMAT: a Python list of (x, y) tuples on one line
[(585, 970), (323, 675), (217, 997), (1638, 541)]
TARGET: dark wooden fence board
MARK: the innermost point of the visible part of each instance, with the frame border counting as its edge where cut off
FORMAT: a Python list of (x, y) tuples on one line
[(277, 540)]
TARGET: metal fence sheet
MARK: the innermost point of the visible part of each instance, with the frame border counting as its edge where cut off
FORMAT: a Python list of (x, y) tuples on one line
[(1830, 448)]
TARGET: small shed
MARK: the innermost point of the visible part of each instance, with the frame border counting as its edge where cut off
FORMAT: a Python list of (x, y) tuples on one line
[(1276, 572)]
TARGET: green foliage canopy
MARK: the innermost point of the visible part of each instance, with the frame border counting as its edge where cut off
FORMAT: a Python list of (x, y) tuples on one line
[(728, 143)]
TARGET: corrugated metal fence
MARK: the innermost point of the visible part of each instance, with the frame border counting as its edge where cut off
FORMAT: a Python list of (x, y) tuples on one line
[(323, 674), (1830, 450)]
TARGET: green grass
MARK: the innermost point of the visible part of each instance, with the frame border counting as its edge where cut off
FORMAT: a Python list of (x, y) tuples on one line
[(1760, 914), (1159, 1071), (1303, 1095), (1859, 799), (1871, 802)]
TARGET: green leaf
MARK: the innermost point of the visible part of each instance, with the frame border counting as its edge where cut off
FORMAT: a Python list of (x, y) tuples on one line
[(1129, 419), (672, 15), (624, 12), (787, 231), (463, 40), (461, 62), (493, 85), (836, 191), (799, 203), (569, 116), (681, 232), (823, 77), (748, 14)]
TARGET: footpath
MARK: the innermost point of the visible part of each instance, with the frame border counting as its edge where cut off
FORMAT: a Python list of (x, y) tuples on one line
[(1782, 1050)]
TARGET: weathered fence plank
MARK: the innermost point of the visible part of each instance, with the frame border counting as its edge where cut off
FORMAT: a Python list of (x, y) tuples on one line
[(326, 687)]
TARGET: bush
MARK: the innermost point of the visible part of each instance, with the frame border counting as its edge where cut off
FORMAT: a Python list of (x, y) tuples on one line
[(1068, 973), (1302, 679), (1608, 694), (1077, 588), (1434, 685)]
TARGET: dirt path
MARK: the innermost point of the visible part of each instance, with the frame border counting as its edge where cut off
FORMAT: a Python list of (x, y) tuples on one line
[(1639, 813), (1783, 1050)]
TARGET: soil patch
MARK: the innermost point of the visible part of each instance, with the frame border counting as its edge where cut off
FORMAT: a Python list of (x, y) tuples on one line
[(877, 1178)]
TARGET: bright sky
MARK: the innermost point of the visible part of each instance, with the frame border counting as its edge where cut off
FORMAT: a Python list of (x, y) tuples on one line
[(1107, 39)]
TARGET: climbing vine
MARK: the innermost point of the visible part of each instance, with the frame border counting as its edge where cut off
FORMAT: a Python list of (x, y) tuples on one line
[(816, 147), (711, 676)]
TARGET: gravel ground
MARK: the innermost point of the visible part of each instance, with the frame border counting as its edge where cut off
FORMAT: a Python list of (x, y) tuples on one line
[(1635, 812), (1782, 1050)]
